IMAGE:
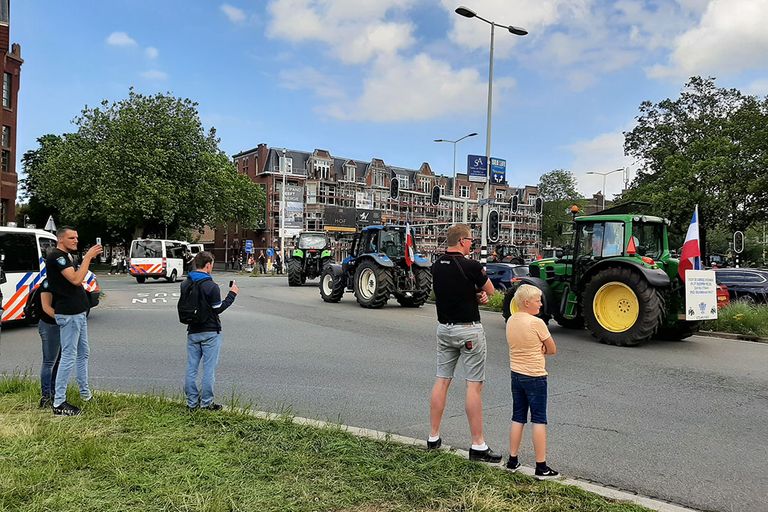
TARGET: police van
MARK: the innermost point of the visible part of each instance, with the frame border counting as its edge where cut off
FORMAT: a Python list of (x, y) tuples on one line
[(155, 258), (23, 258)]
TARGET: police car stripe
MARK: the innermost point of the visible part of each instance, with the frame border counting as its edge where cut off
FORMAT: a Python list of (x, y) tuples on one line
[(22, 281)]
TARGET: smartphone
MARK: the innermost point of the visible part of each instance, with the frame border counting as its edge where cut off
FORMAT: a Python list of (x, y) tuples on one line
[(231, 283), (98, 240)]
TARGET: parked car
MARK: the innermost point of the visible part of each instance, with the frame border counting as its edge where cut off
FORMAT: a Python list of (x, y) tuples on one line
[(745, 284), (501, 274)]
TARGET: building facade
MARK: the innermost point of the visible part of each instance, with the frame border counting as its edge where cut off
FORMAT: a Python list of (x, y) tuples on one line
[(11, 69), (327, 182)]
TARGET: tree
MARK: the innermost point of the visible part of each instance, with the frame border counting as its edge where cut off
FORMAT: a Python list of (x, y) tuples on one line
[(141, 164), (708, 147), (558, 189)]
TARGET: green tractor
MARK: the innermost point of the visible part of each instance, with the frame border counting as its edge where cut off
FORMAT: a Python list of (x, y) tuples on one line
[(376, 269), (617, 278), (311, 254)]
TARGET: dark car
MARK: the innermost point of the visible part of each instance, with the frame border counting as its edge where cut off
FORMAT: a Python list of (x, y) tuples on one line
[(745, 284), (501, 274)]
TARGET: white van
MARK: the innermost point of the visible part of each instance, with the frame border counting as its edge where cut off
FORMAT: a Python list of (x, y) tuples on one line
[(154, 258), (24, 252)]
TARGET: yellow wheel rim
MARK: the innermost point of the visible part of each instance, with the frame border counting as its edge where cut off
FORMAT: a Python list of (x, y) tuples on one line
[(513, 307), (616, 307)]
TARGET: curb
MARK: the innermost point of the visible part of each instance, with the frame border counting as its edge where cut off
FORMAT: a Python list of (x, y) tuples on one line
[(732, 336)]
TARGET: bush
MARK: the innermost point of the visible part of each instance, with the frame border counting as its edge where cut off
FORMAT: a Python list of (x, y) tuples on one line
[(496, 301), (741, 318)]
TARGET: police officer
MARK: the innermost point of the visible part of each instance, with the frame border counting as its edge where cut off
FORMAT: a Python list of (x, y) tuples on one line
[(460, 284)]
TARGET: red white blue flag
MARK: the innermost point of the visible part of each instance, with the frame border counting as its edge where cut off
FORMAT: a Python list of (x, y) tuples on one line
[(408, 246), (690, 258)]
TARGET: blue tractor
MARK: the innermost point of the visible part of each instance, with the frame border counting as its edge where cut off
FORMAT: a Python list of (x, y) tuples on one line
[(376, 269)]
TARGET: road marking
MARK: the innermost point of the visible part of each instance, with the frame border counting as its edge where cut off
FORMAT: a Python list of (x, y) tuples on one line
[(159, 298)]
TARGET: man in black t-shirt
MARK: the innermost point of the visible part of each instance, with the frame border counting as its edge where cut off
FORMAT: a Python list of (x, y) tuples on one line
[(460, 284), (71, 306)]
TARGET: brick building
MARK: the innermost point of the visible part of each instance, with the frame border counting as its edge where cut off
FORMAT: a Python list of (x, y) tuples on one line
[(11, 64), (330, 181)]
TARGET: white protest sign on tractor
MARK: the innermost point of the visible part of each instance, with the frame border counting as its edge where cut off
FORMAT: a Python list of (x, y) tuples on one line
[(700, 295)]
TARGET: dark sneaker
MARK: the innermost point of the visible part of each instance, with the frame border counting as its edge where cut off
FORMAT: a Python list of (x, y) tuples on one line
[(46, 401), (66, 409), (512, 466), (213, 407), (434, 445), (486, 455), (546, 473)]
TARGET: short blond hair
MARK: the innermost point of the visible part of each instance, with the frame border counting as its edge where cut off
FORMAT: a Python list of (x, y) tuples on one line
[(456, 233), (524, 293)]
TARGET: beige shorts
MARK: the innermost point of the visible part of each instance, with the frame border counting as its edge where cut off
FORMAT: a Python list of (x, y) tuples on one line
[(465, 343)]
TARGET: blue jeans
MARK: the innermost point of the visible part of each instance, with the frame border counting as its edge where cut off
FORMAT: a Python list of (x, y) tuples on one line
[(49, 335), (529, 393), (73, 330), (201, 346)]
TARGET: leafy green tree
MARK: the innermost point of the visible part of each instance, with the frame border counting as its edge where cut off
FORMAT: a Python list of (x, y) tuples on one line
[(139, 165), (558, 189), (707, 147)]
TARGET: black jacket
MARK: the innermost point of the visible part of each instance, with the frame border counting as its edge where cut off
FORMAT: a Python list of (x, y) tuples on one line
[(212, 296)]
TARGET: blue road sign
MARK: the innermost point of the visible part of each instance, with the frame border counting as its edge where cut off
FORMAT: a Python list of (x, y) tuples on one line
[(477, 168), (249, 246), (498, 171)]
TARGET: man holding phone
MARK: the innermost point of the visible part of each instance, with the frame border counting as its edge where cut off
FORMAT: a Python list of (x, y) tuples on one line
[(204, 337)]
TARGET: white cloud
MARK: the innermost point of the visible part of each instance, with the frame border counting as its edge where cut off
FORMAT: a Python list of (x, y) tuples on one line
[(151, 52), (234, 14), (323, 85), (154, 74), (414, 89), (730, 37), (120, 39), (603, 153)]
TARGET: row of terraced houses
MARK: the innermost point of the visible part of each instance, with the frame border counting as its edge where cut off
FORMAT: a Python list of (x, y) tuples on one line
[(328, 181)]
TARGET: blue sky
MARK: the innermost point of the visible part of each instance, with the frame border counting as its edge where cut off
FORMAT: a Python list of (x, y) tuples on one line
[(383, 78)]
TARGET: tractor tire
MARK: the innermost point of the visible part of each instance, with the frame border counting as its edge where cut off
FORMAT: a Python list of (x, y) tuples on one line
[(423, 286), (509, 307), (294, 272), (373, 285), (679, 332), (621, 308), (331, 287), (570, 323)]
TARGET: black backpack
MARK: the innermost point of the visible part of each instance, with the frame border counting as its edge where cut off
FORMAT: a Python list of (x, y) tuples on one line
[(192, 306)]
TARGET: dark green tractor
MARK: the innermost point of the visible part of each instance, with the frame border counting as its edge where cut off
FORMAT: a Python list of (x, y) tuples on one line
[(617, 278), (311, 254), (376, 269)]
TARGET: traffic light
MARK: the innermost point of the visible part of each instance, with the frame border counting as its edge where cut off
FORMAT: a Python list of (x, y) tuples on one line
[(435, 195), (538, 206), (394, 188), (513, 203), (493, 226)]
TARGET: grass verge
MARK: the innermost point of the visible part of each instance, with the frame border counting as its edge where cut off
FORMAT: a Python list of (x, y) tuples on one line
[(148, 453), (741, 318)]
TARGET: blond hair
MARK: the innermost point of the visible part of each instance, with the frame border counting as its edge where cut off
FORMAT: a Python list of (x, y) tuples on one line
[(456, 233), (524, 293)]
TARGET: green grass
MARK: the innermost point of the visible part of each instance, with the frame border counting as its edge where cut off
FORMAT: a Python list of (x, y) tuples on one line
[(495, 301), (148, 453), (741, 318)]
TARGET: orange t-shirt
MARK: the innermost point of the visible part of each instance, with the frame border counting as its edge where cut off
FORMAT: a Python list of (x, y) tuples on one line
[(525, 334)]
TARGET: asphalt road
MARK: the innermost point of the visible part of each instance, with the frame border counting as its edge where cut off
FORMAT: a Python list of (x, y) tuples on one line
[(685, 422)]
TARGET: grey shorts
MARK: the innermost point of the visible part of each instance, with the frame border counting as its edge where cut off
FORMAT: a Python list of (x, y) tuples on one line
[(453, 342)]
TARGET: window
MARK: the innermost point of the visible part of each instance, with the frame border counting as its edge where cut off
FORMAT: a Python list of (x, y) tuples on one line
[(46, 246), (425, 185), (464, 191), (601, 239), (174, 250), (5, 161), (404, 185), (6, 140), (499, 194), (7, 82), (147, 249), (648, 239), (350, 173), (20, 251), (479, 192), (4, 11), (311, 193), (380, 179)]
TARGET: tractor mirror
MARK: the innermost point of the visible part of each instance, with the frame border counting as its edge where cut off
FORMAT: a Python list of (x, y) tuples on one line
[(559, 253)]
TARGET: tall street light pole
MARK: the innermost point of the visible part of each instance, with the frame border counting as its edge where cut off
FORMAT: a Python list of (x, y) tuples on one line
[(283, 168), (453, 186), (604, 174), (518, 31)]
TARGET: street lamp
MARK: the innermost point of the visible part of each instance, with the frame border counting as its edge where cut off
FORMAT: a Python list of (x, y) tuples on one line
[(453, 187), (518, 31), (283, 168), (604, 174)]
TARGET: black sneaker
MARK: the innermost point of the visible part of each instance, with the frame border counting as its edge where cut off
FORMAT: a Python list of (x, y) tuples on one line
[(213, 407), (46, 401), (546, 473), (434, 445), (513, 466), (66, 409), (486, 455)]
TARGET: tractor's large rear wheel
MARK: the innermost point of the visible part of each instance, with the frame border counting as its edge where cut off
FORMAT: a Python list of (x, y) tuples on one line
[(423, 278), (331, 286), (294, 272), (620, 307), (373, 285)]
